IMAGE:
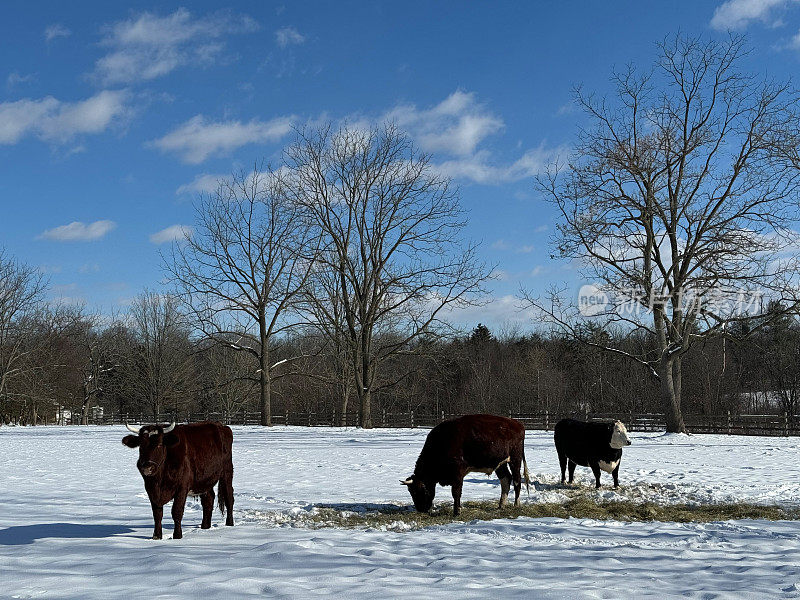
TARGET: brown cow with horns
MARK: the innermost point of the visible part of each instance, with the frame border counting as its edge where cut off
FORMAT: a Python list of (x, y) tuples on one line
[(181, 460)]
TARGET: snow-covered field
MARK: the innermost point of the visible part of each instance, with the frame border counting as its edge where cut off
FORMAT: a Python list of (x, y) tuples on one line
[(75, 523)]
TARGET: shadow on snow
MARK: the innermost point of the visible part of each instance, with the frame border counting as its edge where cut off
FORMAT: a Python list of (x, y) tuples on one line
[(27, 534)]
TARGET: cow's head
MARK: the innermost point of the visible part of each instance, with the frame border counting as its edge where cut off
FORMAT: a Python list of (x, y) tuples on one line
[(619, 435), (152, 441), (421, 493)]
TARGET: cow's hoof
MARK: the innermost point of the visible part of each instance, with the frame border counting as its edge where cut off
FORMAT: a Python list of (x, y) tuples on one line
[(229, 523), (204, 526), (177, 535), (156, 537)]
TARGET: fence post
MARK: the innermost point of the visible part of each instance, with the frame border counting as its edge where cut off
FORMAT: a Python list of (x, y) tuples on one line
[(383, 418), (442, 415), (546, 420), (286, 418), (412, 418), (729, 422), (786, 423)]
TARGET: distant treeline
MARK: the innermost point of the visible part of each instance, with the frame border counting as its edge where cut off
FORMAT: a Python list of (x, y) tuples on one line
[(60, 363)]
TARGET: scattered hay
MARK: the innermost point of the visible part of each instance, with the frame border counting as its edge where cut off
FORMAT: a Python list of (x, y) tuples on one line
[(399, 518)]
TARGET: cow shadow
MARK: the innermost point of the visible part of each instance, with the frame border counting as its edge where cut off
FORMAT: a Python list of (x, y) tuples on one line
[(485, 480), (21, 535), (367, 507)]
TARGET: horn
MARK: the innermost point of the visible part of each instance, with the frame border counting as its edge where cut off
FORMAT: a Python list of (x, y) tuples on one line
[(134, 430), (170, 428), (408, 481)]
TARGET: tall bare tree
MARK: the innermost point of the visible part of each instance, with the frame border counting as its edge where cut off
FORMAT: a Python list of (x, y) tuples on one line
[(22, 291), (240, 271), (392, 229), (160, 358), (323, 300), (679, 201)]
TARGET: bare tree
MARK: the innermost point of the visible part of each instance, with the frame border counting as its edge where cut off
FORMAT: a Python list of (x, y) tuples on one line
[(230, 387), (323, 299), (22, 291), (103, 357), (249, 256), (160, 358), (392, 230), (679, 202)]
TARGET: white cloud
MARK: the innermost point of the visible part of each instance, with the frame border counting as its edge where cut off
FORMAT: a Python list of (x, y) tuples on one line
[(737, 14), (54, 121), (501, 245), (540, 229), (56, 30), (527, 249), (287, 36), (500, 275), (455, 126), (479, 168), (15, 79), (79, 232), (196, 140), (499, 310), (173, 233), (456, 130), (149, 46), (202, 184), (537, 270)]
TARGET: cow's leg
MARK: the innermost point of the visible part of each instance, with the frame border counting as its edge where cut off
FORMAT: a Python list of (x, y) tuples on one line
[(516, 465), (505, 483), (158, 514), (178, 504), (562, 459), (615, 475), (596, 470), (571, 471), (457, 485), (207, 500)]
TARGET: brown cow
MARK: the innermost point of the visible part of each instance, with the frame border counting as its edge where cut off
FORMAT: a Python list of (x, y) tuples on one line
[(473, 443), (177, 461)]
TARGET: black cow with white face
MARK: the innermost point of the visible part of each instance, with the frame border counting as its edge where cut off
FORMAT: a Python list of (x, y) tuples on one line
[(595, 445)]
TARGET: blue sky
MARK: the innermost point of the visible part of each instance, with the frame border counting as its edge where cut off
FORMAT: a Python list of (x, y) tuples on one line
[(114, 117)]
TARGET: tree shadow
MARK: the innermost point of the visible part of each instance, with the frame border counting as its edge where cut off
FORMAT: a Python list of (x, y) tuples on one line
[(26, 534)]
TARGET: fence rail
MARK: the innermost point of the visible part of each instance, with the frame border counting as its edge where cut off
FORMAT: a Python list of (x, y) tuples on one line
[(733, 424)]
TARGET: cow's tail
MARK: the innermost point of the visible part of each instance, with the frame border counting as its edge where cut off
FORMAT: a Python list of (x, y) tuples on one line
[(222, 495), (525, 472)]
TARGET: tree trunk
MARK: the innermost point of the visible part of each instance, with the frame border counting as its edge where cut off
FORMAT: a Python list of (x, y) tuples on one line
[(85, 408), (265, 400), (670, 375), (366, 408), (344, 388)]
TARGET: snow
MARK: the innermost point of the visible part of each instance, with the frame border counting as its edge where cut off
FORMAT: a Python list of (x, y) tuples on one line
[(76, 523)]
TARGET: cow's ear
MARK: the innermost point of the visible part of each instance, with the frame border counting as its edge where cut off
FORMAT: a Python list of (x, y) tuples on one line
[(131, 441), (170, 440)]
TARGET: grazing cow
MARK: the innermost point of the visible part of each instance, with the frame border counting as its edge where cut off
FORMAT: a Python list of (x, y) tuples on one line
[(177, 461), (473, 443), (595, 445)]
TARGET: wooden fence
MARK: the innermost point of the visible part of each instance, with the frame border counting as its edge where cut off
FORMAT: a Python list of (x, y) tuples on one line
[(732, 424)]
